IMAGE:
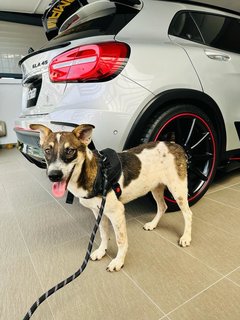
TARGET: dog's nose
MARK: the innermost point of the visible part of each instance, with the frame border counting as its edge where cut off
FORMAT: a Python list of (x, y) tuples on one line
[(55, 175)]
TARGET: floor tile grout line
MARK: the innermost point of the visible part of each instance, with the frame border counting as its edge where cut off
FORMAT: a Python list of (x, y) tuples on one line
[(8, 200), (232, 281), (34, 205), (222, 187), (229, 273), (238, 190), (201, 292), (194, 296), (139, 287), (222, 203), (218, 228), (143, 291), (34, 268), (62, 243), (53, 198), (184, 251), (164, 317), (227, 276)]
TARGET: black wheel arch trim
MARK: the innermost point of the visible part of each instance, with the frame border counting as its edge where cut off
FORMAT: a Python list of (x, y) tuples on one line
[(182, 96), (237, 126)]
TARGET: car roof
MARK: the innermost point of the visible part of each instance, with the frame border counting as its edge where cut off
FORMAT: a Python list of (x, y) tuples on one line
[(222, 5)]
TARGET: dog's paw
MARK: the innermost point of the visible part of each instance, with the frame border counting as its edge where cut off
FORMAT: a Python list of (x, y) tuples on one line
[(115, 265), (149, 226), (184, 241), (98, 254)]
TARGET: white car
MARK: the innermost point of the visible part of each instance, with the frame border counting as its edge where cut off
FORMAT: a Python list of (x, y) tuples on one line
[(139, 71)]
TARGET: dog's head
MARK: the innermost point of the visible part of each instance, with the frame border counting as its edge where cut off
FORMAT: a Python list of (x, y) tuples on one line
[(62, 150)]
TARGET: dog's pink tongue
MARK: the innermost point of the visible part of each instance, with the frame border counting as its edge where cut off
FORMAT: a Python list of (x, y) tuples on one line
[(59, 188)]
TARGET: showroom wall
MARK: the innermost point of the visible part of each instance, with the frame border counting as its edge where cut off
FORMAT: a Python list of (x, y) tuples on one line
[(15, 40)]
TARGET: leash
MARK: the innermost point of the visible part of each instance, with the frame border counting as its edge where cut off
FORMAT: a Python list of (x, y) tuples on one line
[(88, 253)]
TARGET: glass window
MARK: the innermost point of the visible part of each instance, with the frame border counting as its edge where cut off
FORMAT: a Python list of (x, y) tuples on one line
[(183, 26), (219, 31), (213, 30)]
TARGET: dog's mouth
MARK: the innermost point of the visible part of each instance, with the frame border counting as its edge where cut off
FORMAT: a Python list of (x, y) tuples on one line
[(59, 188)]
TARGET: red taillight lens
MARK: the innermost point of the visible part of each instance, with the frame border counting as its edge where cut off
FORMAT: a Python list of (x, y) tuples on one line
[(94, 62)]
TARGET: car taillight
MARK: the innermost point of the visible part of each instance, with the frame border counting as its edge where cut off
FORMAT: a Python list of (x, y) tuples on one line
[(94, 62)]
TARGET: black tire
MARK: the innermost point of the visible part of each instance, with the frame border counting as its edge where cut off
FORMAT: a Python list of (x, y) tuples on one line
[(193, 130)]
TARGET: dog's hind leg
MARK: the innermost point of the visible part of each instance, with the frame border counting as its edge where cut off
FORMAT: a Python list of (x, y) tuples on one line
[(186, 238), (180, 195), (103, 228), (161, 207)]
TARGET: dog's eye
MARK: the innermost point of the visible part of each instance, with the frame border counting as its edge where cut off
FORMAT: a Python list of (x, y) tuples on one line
[(47, 151), (70, 151)]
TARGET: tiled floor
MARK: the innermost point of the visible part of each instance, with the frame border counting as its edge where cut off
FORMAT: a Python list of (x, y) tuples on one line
[(43, 240)]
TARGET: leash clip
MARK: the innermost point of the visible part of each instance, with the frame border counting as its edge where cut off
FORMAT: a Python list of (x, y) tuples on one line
[(102, 156)]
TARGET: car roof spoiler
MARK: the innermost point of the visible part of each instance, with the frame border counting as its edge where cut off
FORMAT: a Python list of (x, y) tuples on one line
[(57, 12)]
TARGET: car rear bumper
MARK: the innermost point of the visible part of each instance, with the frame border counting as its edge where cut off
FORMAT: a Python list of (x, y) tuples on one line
[(29, 146), (110, 130)]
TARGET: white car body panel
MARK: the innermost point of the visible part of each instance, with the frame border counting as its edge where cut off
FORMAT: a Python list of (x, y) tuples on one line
[(220, 81)]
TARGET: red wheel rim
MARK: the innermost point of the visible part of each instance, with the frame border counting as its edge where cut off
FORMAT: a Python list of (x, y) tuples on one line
[(203, 128)]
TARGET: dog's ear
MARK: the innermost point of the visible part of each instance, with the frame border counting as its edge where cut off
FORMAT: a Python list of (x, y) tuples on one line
[(44, 131), (84, 133)]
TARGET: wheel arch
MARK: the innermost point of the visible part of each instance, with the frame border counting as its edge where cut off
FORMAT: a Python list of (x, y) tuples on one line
[(179, 96)]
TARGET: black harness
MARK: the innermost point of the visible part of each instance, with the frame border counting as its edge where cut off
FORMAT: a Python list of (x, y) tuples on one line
[(113, 169)]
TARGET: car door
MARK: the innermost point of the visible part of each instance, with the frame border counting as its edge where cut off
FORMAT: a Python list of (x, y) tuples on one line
[(211, 42)]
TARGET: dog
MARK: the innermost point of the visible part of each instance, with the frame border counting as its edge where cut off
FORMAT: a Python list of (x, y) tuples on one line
[(149, 167)]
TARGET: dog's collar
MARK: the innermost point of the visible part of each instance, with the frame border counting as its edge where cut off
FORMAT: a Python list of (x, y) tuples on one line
[(70, 196), (110, 160)]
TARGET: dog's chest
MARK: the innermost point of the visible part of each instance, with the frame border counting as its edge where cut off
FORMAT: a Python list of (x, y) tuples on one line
[(77, 191)]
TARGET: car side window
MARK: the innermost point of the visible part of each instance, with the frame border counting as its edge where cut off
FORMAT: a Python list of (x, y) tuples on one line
[(183, 26), (213, 30), (219, 31)]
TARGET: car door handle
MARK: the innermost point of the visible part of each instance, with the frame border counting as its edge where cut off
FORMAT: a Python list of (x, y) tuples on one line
[(216, 55)]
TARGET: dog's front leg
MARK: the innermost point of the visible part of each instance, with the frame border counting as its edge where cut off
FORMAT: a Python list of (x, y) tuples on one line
[(117, 218), (103, 228)]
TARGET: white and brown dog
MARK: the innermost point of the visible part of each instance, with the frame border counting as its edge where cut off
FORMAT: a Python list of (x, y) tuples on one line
[(149, 167)]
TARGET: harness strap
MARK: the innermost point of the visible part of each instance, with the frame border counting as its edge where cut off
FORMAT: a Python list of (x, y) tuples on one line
[(70, 198), (114, 170)]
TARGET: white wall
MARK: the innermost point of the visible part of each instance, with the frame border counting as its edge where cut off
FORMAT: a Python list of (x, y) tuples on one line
[(10, 106), (15, 40)]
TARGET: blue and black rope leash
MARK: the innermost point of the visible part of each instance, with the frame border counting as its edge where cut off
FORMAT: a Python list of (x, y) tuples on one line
[(87, 256)]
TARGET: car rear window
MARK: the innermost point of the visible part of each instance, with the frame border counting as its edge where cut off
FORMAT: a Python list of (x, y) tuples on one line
[(109, 23), (213, 30)]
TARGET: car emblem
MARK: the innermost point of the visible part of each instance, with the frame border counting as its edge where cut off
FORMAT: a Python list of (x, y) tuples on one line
[(39, 64)]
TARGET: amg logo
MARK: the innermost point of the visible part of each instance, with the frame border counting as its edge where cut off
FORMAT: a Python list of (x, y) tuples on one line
[(56, 13), (39, 64)]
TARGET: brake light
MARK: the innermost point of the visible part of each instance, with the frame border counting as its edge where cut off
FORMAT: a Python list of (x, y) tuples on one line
[(94, 62)]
